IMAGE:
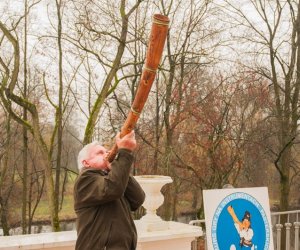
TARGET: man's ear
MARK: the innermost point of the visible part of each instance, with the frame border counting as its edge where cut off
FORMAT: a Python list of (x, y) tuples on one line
[(85, 163)]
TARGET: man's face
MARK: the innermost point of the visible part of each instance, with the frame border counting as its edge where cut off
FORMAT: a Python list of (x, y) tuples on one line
[(97, 158), (246, 223)]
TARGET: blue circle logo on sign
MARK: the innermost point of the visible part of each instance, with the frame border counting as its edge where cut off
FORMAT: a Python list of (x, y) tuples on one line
[(240, 222)]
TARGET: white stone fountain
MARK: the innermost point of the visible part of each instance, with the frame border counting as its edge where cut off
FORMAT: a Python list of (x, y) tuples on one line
[(152, 185), (155, 233)]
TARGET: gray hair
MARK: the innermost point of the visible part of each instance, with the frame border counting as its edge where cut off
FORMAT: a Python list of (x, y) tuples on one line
[(83, 154)]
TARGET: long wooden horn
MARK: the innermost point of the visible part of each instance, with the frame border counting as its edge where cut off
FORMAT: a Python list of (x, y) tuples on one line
[(156, 44)]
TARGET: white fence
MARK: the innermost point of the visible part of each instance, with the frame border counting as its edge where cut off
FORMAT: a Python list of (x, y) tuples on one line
[(291, 227)]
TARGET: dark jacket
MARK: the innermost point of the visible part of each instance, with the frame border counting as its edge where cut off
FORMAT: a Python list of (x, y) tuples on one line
[(103, 204)]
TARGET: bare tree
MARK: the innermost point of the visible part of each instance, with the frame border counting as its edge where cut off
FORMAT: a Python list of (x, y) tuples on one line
[(274, 42), (109, 35), (186, 53), (8, 96)]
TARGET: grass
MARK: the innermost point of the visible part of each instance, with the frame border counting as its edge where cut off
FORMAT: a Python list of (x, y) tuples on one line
[(66, 213)]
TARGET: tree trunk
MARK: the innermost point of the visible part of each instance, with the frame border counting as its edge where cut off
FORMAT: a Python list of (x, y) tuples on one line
[(59, 113), (25, 136), (284, 190), (157, 132), (195, 198), (284, 182), (3, 176), (175, 200), (167, 214), (3, 217), (30, 204), (49, 178)]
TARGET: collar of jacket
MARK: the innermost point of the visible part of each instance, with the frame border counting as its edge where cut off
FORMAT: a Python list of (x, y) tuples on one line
[(102, 171)]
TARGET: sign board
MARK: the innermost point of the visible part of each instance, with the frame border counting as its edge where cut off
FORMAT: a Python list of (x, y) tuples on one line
[(238, 218)]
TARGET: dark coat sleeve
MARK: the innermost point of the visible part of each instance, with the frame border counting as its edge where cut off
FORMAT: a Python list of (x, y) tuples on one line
[(134, 194), (92, 188)]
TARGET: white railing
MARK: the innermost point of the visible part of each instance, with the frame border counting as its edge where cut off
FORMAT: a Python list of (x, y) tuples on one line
[(291, 226), (176, 236)]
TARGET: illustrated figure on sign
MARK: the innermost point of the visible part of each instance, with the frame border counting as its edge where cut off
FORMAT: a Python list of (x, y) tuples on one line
[(243, 228)]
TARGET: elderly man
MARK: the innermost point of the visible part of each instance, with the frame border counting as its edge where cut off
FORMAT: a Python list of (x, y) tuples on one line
[(104, 196)]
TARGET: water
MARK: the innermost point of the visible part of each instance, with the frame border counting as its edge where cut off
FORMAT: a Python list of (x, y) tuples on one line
[(36, 229), (186, 217)]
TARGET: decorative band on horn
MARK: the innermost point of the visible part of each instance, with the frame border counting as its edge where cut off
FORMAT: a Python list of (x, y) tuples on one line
[(149, 69), (158, 22), (135, 112)]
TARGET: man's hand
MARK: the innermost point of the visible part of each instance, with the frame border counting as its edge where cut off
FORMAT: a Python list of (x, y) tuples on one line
[(128, 141)]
